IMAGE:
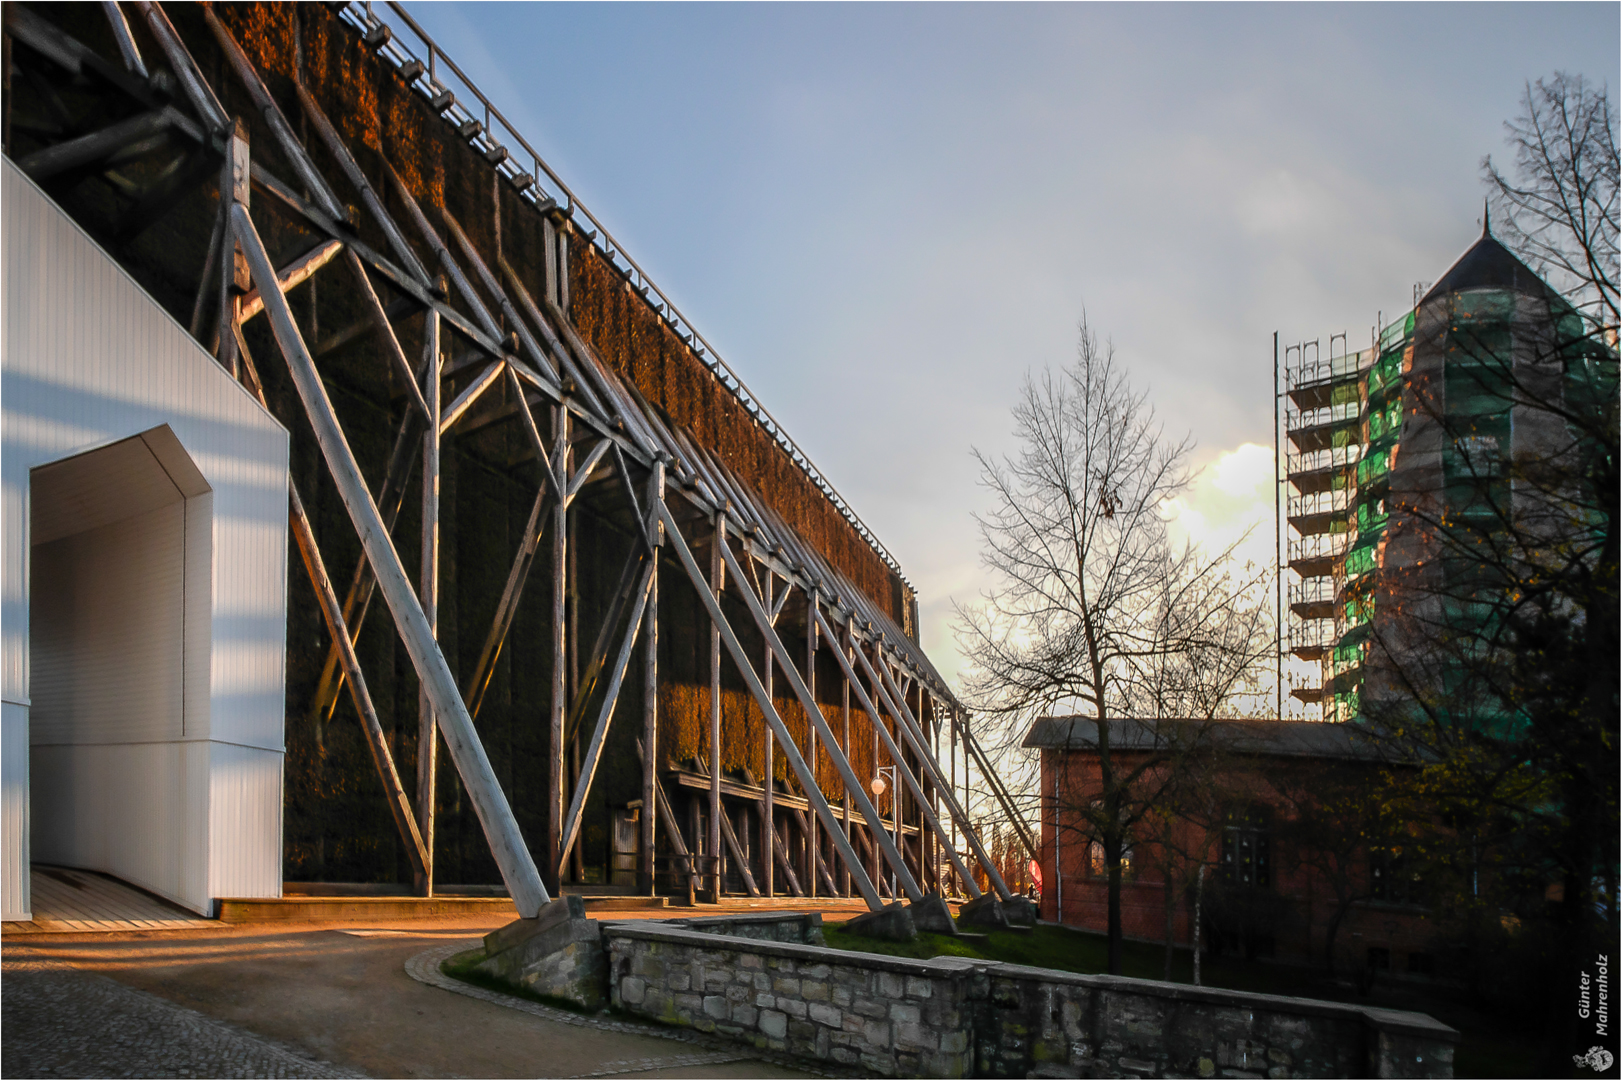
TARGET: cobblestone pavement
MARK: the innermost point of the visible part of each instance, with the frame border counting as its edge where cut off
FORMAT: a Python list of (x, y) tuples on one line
[(60, 1021)]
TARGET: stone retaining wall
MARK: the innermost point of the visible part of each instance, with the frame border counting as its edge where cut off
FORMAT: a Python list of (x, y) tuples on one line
[(958, 1017)]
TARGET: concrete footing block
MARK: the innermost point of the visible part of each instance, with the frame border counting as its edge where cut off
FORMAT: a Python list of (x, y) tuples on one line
[(933, 914), (984, 911), (1020, 911), (891, 923), (558, 953)]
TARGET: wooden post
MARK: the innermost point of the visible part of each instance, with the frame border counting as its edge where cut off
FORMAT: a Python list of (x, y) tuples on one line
[(236, 188), (555, 792), (427, 739), (813, 848), (717, 582), (745, 668), (577, 868), (768, 811), (844, 871), (461, 738), (646, 866)]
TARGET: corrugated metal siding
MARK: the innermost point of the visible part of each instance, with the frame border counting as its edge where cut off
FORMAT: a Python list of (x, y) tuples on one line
[(244, 807), (137, 811), (107, 610), (15, 902), (87, 359)]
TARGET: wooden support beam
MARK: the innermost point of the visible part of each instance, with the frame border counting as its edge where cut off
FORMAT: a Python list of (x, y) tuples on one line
[(737, 853), (471, 393), (427, 739), (126, 42), (585, 686), (53, 160), (461, 738), (357, 179), (817, 865), (376, 741), (812, 848), (653, 531), (746, 668), (779, 850), (593, 753), (390, 497), (197, 91), (391, 344), (902, 770), (507, 609), (290, 276), (768, 828), (292, 150), (717, 582), (559, 655), (235, 191), (844, 748), (906, 724)]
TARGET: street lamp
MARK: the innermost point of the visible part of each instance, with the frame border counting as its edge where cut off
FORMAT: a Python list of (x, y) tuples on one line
[(879, 786)]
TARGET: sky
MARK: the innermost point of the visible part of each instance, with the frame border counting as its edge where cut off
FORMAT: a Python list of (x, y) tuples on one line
[(884, 216)]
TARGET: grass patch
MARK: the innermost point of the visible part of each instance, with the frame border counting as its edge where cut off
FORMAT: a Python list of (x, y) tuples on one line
[(463, 967), (1492, 1046)]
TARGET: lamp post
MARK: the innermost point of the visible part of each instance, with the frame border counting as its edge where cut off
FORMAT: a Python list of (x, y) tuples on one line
[(879, 786)]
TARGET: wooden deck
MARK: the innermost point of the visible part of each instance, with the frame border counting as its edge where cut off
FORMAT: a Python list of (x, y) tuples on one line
[(81, 901)]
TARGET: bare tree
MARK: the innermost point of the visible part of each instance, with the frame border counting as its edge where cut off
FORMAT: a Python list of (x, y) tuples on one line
[(1561, 211), (1096, 613)]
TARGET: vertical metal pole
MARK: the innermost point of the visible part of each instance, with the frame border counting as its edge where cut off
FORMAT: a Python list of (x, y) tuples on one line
[(768, 826), (427, 736), (647, 865), (812, 844), (717, 582), (555, 804), (1277, 504)]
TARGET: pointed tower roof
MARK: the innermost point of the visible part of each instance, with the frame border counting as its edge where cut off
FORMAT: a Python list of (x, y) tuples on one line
[(1489, 265)]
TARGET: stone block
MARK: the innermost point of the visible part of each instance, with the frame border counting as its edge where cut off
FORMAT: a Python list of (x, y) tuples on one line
[(842, 996), (750, 960), (762, 980), (868, 1007), (918, 987), (933, 914), (915, 1037), (774, 1024), (765, 1000), (891, 923), (954, 1042), (786, 986), (890, 985), (816, 971), (812, 990), (903, 1013), (716, 1007), (985, 910), (559, 953), (1020, 911), (801, 1031), (792, 1006), (738, 994), (632, 991), (747, 1015), (826, 1014)]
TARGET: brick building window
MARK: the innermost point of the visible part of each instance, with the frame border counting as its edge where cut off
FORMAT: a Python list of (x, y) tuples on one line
[(1390, 878), (1246, 847), (1097, 865)]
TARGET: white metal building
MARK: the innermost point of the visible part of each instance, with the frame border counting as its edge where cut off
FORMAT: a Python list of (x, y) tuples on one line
[(145, 584)]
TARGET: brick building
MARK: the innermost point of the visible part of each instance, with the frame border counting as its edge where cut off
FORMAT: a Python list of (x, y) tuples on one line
[(1269, 808)]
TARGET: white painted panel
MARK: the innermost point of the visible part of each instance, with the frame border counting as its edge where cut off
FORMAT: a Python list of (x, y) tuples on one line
[(108, 632), (245, 808), (14, 891), (87, 360), (137, 811)]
